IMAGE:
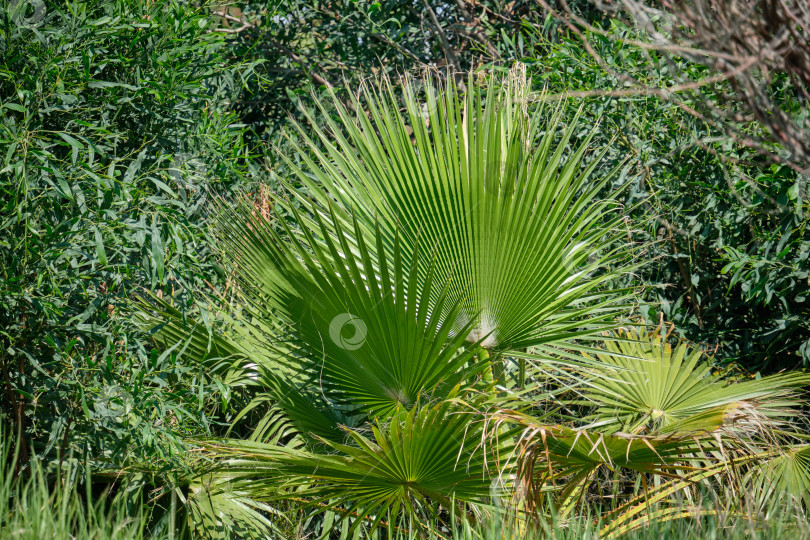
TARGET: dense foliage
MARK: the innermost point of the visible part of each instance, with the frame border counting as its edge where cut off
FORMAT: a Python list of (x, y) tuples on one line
[(384, 268), (731, 247), (114, 126)]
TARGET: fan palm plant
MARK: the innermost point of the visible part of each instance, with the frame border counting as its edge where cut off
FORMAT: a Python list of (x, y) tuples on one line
[(641, 384), (660, 416), (375, 301)]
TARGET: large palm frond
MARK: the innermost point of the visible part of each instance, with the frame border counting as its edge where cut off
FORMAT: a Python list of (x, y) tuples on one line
[(520, 231), (423, 463), (329, 328), (358, 323)]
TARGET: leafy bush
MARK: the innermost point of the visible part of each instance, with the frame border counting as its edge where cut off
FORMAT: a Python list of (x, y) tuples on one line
[(114, 126)]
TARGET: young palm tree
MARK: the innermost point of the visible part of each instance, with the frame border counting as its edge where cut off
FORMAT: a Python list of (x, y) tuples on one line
[(417, 245), (423, 243)]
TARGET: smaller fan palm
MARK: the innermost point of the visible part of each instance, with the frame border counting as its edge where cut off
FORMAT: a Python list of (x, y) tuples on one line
[(416, 463), (659, 413), (641, 384)]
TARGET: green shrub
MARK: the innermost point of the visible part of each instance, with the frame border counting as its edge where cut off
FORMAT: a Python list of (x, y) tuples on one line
[(114, 126)]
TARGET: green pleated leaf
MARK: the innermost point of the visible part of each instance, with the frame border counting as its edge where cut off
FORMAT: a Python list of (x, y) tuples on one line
[(503, 192)]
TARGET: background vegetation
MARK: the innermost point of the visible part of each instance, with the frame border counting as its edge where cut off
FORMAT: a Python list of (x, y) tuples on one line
[(120, 122)]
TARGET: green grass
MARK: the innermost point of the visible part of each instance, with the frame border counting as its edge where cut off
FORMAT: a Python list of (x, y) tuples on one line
[(38, 507), (38, 504), (776, 528)]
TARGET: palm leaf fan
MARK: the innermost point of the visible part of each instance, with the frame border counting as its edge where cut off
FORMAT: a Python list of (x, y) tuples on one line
[(424, 464), (640, 383), (337, 331), (504, 193)]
